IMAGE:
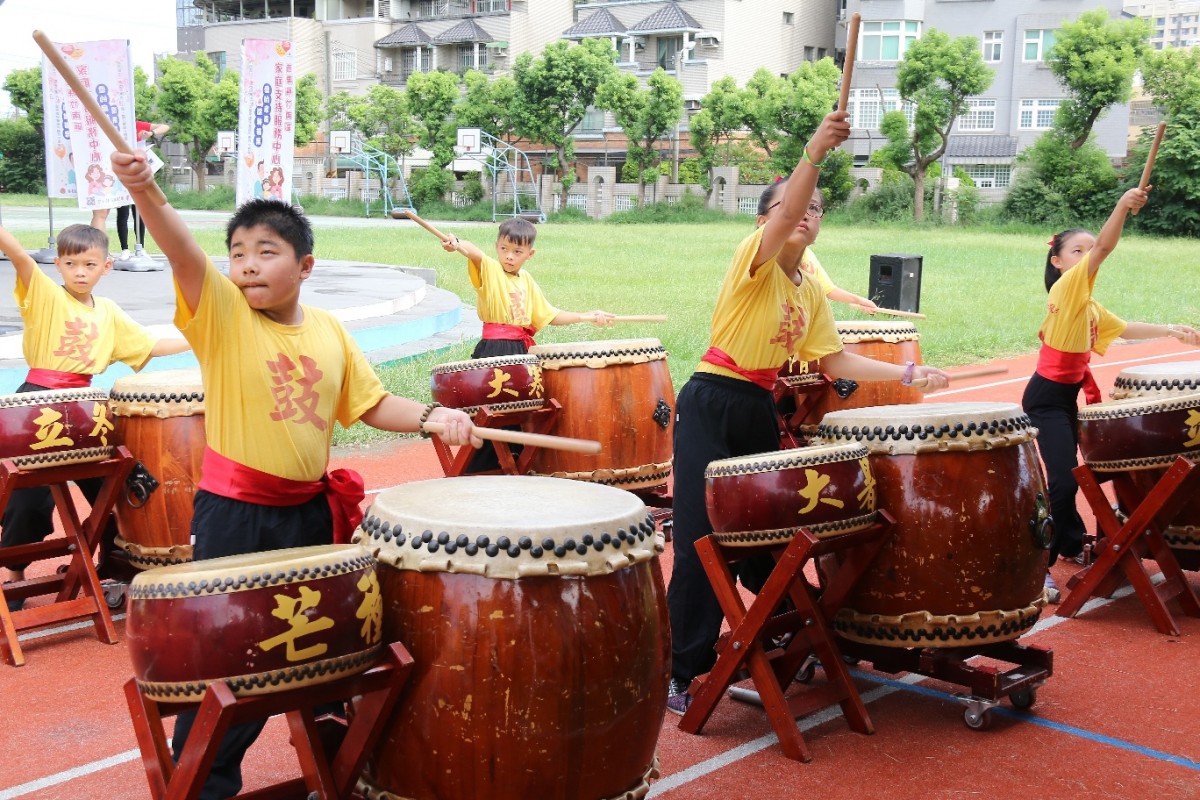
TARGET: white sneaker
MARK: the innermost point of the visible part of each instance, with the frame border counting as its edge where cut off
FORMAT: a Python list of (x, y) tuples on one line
[(1053, 593), (124, 256)]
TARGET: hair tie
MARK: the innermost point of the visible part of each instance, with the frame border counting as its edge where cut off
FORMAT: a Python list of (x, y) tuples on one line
[(778, 178), (1053, 240)]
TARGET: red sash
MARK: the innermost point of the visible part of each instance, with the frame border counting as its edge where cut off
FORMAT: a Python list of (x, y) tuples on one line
[(764, 378), (343, 489), (53, 379), (1064, 367), (498, 330)]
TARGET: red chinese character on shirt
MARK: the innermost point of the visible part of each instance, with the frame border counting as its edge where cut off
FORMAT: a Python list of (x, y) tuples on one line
[(791, 327), (77, 341), (296, 398), (516, 306)]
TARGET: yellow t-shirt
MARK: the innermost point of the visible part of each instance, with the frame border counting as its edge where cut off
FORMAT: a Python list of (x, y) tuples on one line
[(63, 334), (272, 391), (509, 299), (1075, 323), (812, 268), (762, 321)]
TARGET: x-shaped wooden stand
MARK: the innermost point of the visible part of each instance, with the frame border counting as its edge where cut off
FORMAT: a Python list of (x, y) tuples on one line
[(538, 420)]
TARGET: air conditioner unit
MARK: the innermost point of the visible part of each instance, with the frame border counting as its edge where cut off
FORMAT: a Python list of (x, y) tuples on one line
[(691, 105), (708, 38)]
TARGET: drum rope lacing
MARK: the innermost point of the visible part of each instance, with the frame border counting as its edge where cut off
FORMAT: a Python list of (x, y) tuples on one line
[(258, 682), (150, 591), (921, 627), (57, 396), (821, 530), (480, 363), (787, 460)]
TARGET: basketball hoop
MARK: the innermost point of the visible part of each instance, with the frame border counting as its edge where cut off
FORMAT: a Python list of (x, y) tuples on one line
[(470, 141), (339, 141)]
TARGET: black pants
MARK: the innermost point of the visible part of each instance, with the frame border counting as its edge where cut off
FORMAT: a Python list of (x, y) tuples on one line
[(225, 527), (1053, 409), (715, 417), (123, 214), (485, 458)]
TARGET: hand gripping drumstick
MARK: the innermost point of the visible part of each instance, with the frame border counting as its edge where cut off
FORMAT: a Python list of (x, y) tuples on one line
[(848, 66), (1145, 181), (521, 437), (966, 373), (890, 311), (93, 108)]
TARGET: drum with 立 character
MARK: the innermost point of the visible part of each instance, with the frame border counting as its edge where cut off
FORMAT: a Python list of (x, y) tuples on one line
[(536, 617), (619, 392), (55, 427), (159, 416), (968, 555), (261, 622)]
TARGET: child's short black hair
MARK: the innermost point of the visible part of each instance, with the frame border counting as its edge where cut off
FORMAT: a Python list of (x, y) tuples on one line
[(765, 200), (518, 231), (1056, 242), (74, 239), (283, 218)]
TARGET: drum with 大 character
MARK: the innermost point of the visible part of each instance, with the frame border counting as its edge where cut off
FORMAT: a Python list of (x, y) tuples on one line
[(968, 554), (262, 622), (619, 392), (503, 383), (159, 416), (536, 617), (55, 427)]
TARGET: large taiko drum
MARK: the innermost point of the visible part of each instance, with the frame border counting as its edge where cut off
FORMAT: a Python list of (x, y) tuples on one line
[(503, 383), (968, 555), (1142, 435), (262, 622), (536, 617), (890, 342), (619, 392), (55, 427), (159, 416), (766, 497), (1158, 380)]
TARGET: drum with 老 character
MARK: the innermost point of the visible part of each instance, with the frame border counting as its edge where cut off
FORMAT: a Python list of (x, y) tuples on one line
[(159, 416), (262, 622), (55, 427), (969, 550), (503, 383), (618, 392), (536, 617)]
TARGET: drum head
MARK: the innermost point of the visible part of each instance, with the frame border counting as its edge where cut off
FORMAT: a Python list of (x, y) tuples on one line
[(599, 353), (484, 363), (783, 459), (925, 427), (169, 393), (241, 572), (1151, 380)]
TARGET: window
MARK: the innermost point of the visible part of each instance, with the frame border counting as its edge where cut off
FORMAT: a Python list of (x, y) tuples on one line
[(1037, 44), (887, 40), (979, 115), (345, 65), (592, 123), (866, 110), (989, 176), (409, 56), (668, 51), (788, 18), (218, 59), (991, 45), (820, 53), (808, 53), (1037, 115), (466, 57)]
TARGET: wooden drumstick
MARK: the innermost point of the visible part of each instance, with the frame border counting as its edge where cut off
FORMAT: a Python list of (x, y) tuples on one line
[(890, 311), (851, 54), (1145, 181), (93, 108), (400, 213), (521, 437), (978, 372), (640, 318)]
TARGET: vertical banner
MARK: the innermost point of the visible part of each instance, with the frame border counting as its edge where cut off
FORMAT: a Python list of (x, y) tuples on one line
[(60, 160), (106, 71), (266, 121)]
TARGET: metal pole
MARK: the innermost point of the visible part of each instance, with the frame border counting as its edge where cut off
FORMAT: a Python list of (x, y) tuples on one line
[(48, 253)]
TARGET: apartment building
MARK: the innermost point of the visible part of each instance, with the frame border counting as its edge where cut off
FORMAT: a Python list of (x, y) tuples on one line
[(1173, 23), (1014, 37)]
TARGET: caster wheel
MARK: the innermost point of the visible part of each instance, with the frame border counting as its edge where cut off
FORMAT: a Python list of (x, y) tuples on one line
[(806, 673), (977, 720), (114, 596), (1023, 699)]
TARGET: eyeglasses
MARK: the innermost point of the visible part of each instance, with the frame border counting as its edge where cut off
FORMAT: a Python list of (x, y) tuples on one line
[(815, 211)]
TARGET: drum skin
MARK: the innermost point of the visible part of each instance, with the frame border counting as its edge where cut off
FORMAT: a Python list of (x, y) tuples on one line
[(890, 342), (159, 416), (618, 392), (828, 489), (540, 671), (264, 622), (968, 554), (503, 383), (55, 427)]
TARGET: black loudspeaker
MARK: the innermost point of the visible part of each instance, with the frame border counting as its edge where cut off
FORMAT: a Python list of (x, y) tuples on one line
[(896, 281)]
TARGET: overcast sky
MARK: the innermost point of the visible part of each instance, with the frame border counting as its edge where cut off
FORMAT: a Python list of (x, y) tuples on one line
[(149, 25)]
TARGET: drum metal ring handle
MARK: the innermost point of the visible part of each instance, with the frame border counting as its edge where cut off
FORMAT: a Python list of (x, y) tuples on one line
[(1042, 524), (844, 387), (662, 414), (139, 485)]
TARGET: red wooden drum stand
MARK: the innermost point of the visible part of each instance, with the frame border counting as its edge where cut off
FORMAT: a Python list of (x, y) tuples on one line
[(325, 775), (749, 644), (78, 589), (535, 611)]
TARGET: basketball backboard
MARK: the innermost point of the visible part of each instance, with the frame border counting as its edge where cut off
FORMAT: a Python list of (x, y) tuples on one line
[(470, 140), (339, 141), (226, 142)]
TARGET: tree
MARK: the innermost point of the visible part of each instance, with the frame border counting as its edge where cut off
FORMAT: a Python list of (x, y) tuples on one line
[(1055, 172), (195, 106), (1172, 77), (554, 91), (726, 106), (487, 104), (308, 109), (431, 100), (24, 87), (380, 118), (22, 157), (1094, 59), (936, 76), (647, 116), (808, 94)]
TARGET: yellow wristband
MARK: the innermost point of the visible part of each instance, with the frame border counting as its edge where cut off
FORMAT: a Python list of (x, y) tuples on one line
[(808, 158)]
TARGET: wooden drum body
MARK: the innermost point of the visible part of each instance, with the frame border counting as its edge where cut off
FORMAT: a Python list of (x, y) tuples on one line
[(618, 392), (263, 621), (160, 418), (1143, 435), (536, 617), (968, 554), (766, 497), (503, 383), (55, 427), (890, 342)]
